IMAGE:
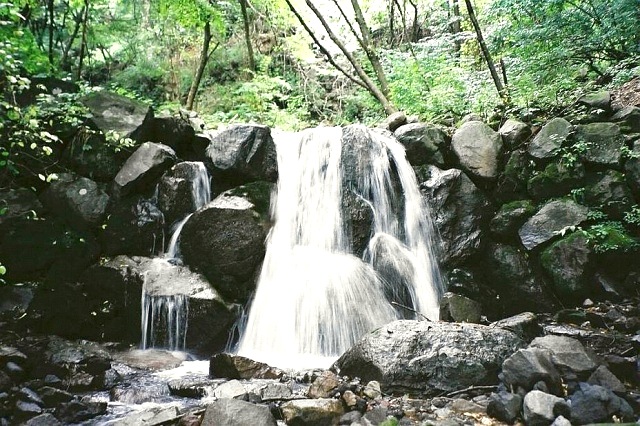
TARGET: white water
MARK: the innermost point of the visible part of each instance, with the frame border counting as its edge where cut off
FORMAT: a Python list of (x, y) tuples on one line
[(165, 316), (315, 298)]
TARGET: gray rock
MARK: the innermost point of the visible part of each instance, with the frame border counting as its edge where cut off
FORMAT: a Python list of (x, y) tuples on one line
[(240, 413), (561, 421), (511, 184), (541, 409), (609, 190), (312, 412), (514, 133), (20, 203), (471, 117), (457, 308), (232, 389), (458, 209), (596, 404), (227, 246), (11, 354), (603, 142), (376, 416), (372, 390), (514, 277), (525, 325), (143, 168), (529, 366), (427, 357), (511, 217), (137, 393), (628, 118), (478, 148), (76, 411), (605, 378), (394, 121), (76, 200), (568, 354), (90, 154), (238, 367), (176, 196), (46, 419), (423, 143), (134, 227), (547, 143), (274, 391), (177, 132), (550, 221), (52, 396), (149, 416), (25, 410), (243, 153), (555, 180), (111, 112), (632, 168), (569, 263), (28, 395), (504, 406), (324, 386), (5, 382), (597, 100)]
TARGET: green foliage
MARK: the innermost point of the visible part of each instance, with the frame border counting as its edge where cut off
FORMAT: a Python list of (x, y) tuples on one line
[(611, 236), (632, 217)]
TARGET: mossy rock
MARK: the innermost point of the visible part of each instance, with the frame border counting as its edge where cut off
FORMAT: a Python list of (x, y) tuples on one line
[(257, 193), (511, 217), (555, 180), (609, 191), (569, 263)]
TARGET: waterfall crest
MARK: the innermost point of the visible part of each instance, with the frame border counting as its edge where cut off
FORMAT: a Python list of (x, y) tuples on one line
[(317, 294)]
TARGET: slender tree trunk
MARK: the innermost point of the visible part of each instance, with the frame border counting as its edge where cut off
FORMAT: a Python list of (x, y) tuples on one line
[(502, 91), (247, 35), (64, 61), (392, 23), (205, 54), (414, 27), (51, 25), (83, 45), (362, 75), (455, 26)]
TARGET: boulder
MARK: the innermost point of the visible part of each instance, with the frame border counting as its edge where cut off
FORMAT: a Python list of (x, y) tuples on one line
[(457, 308), (183, 189), (632, 168), (512, 183), (176, 132), (459, 209), (602, 142), (326, 386), (525, 325), (394, 121), (358, 217), (596, 404), (237, 413), (253, 195), (504, 406), (92, 155), (550, 221), (478, 148), (151, 416), (242, 153), (510, 217), (569, 262), (547, 143), (527, 367), (312, 412), (229, 366), (77, 411), (628, 118), (135, 226), (605, 378), (609, 191), (541, 409), (514, 133), (233, 389), (143, 168), (79, 201), (427, 357), (568, 355), (227, 246), (597, 100), (15, 300), (555, 180), (19, 203), (516, 281), (111, 112), (423, 143), (46, 419)]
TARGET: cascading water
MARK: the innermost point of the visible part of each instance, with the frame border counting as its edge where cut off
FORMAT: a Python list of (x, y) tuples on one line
[(315, 298), (164, 312)]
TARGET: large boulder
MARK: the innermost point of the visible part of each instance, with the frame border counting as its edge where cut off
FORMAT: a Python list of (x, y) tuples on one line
[(550, 221), (77, 200), (312, 412), (512, 182), (459, 209), (510, 217), (595, 404), (427, 357), (478, 148), (568, 355), (111, 112), (423, 143), (229, 411), (541, 409), (547, 143), (555, 180), (569, 262), (609, 191), (143, 168), (528, 367), (176, 132), (632, 168), (19, 203), (227, 246), (243, 153), (602, 143), (514, 133), (183, 189), (135, 226), (512, 275), (628, 118)]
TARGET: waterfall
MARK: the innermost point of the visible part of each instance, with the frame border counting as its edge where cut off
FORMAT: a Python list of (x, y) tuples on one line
[(316, 296), (164, 312)]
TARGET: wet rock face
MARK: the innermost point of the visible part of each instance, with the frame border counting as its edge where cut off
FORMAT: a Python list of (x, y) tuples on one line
[(115, 113), (547, 143), (242, 153), (407, 356), (143, 168), (478, 149), (569, 263), (423, 143), (458, 209), (176, 196), (227, 246), (549, 222)]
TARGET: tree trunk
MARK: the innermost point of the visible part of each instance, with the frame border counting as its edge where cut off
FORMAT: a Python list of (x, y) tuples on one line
[(362, 75), (455, 26), (202, 63), (502, 91), (64, 61), (392, 19), (247, 35), (51, 24), (83, 46)]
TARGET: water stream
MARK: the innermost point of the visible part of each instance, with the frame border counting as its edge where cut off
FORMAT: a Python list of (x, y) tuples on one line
[(316, 296)]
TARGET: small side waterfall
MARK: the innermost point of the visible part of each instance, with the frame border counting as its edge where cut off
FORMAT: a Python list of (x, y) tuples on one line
[(315, 296), (164, 312)]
